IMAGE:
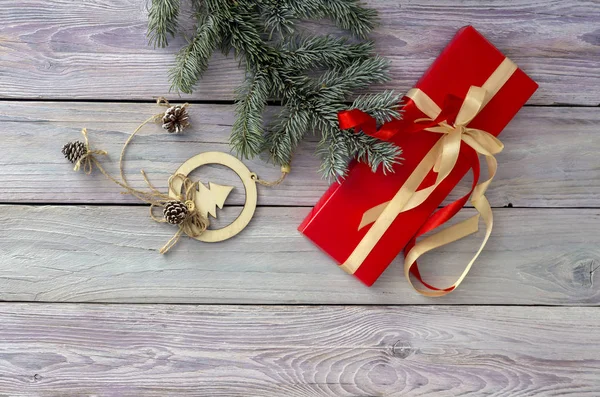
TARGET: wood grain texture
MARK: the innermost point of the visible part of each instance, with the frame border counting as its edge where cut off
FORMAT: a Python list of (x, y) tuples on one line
[(110, 254), (98, 49), (149, 350), (550, 157)]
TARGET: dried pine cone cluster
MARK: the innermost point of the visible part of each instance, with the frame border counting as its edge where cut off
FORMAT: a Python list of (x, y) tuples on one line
[(175, 119), (175, 212), (73, 151)]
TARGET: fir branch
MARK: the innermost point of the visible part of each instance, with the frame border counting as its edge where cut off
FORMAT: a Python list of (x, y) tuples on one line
[(305, 9), (243, 31), (366, 149), (346, 14), (162, 21), (303, 53), (313, 76), (285, 135), (383, 106), (360, 74), (337, 84), (278, 18), (372, 151), (351, 16), (333, 151), (192, 60), (247, 132), (322, 105)]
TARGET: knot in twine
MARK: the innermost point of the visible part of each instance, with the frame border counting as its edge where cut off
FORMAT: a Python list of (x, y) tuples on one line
[(194, 223), (87, 160)]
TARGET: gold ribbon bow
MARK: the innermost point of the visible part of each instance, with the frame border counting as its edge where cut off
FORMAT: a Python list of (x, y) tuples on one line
[(441, 158)]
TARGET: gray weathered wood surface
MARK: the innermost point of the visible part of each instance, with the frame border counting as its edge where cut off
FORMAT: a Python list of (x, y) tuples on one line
[(66, 237), (110, 254), (79, 350), (539, 168), (98, 49)]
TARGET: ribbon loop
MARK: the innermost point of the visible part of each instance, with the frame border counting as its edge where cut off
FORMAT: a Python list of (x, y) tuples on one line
[(471, 106), (483, 142), (453, 124)]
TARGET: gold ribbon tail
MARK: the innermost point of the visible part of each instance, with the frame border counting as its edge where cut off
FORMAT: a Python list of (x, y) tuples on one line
[(457, 232), (442, 159)]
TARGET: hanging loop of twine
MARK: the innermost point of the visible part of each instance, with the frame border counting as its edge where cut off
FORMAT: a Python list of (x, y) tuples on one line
[(285, 170), (162, 101)]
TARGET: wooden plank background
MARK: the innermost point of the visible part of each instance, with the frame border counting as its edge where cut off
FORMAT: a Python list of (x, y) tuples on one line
[(266, 351), (97, 49), (110, 254), (89, 307), (539, 168)]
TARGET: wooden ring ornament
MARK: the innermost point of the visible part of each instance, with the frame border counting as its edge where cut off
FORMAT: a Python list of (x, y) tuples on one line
[(248, 179)]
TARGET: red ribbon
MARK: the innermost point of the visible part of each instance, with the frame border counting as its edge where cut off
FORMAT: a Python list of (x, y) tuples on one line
[(442, 216), (361, 121)]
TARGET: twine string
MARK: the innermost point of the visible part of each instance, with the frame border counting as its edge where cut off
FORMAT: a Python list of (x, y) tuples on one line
[(161, 101), (194, 224), (87, 160), (285, 170)]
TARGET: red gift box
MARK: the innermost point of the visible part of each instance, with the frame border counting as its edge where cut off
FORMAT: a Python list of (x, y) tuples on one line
[(336, 222)]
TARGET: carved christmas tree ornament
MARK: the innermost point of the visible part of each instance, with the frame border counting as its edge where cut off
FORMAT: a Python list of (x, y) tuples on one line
[(187, 204), (209, 198)]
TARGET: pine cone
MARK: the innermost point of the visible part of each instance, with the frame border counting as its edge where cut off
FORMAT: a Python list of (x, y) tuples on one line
[(175, 212), (175, 119), (73, 151)]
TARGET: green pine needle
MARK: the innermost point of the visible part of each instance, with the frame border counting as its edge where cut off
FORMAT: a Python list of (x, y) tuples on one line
[(313, 75), (383, 106), (162, 21), (346, 14), (303, 53), (351, 16), (334, 155), (286, 133), (247, 136), (192, 61)]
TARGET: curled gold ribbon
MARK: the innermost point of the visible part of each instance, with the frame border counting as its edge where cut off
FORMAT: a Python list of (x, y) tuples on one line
[(441, 158)]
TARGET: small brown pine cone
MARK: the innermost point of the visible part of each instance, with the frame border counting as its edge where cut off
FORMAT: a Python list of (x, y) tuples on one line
[(175, 212), (175, 119), (73, 151)]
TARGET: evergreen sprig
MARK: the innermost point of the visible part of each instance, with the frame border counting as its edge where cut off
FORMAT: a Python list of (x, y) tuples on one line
[(192, 60), (248, 135), (162, 21), (312, 75), (383, 106)]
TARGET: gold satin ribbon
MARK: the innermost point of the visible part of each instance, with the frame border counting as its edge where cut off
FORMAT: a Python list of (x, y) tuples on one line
[(441, 158)]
